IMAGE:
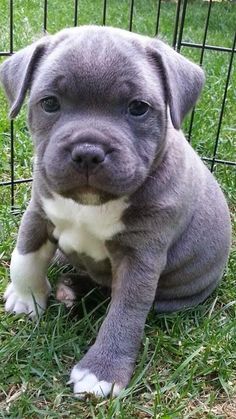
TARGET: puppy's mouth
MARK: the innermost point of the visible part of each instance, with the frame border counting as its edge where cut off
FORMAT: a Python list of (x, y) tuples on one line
[(96, 186), (81, 192)]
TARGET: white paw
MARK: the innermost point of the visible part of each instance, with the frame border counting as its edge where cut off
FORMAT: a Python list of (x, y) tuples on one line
[(28, 303), (65, 295), (86, 382)]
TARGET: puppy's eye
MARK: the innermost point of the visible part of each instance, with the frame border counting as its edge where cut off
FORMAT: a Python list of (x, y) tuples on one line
[(138, 108), (50, 104)]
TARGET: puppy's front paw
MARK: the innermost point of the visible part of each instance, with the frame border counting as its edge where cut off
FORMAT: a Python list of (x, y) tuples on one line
[(101, 373), (86, 382), (29, 303)]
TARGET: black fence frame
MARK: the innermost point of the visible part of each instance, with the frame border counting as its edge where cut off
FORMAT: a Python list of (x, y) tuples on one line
[(177, 43)]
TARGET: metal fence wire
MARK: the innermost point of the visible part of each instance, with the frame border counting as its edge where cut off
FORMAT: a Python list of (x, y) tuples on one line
[(178, 41)]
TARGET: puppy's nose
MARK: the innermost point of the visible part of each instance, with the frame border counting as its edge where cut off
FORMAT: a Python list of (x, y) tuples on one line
[(88, 156)]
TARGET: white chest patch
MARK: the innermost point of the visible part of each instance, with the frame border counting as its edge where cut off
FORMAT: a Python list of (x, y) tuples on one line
[(85, 228)]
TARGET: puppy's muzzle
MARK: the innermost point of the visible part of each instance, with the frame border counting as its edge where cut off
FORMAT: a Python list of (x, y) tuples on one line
[(88, 156)]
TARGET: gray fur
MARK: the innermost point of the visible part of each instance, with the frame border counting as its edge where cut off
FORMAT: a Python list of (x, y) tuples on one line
[(177, 228)]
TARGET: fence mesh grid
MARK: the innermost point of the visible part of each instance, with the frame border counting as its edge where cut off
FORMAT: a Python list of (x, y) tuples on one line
[(178, 42)]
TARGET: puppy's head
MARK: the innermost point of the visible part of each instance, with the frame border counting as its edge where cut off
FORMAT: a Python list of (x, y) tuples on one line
[(98, 101)]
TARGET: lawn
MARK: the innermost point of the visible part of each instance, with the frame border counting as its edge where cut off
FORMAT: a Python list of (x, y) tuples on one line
[(187, 363)]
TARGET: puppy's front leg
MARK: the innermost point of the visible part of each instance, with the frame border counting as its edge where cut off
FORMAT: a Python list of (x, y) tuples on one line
[(109, 363), (29, 288)]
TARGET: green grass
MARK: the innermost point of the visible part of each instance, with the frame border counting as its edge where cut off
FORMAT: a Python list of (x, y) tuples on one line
[(187, 363)]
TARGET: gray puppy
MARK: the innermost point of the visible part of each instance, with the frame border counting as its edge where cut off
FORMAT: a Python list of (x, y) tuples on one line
[(116, 186)]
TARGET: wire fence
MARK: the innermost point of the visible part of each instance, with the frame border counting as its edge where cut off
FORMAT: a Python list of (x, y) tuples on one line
[(178, 41)]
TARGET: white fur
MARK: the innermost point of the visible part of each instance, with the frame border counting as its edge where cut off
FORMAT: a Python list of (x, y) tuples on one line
[(29, 288), (86, 382), (84, 228)]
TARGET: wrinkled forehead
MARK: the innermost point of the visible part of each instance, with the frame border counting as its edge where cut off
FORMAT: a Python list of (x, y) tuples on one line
[(95, 64)]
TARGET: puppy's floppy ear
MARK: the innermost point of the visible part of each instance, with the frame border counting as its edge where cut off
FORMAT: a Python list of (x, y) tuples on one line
[(183, 80), (16, 73)]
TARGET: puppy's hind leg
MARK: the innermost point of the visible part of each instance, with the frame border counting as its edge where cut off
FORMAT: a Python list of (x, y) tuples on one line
[(71, 287)]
